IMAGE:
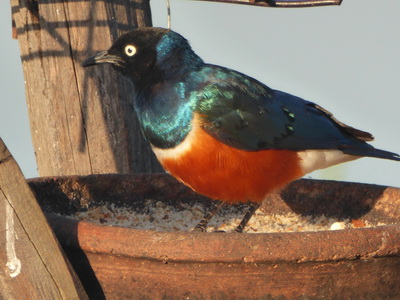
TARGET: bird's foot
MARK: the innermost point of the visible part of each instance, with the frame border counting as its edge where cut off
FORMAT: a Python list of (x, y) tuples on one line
[(202, 225), (249, 213)]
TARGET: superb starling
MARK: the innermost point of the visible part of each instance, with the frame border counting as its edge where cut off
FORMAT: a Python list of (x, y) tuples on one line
[(222, 133)]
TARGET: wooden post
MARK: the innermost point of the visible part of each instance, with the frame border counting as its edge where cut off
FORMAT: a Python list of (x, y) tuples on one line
[(32, 263), (82, 120)]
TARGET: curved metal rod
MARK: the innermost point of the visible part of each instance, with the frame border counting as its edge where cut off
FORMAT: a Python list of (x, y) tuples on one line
[(282, 3)]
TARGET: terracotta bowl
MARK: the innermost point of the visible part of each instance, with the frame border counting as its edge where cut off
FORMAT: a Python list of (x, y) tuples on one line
[(122, 263)]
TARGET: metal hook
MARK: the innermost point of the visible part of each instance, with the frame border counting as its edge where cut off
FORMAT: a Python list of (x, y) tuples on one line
[(169, 15)]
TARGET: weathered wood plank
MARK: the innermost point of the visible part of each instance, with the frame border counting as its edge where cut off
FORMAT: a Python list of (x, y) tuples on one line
[(33, 264), (81, 122)]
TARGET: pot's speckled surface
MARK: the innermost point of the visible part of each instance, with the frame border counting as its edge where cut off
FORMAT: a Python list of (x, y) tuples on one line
[(121, 263)]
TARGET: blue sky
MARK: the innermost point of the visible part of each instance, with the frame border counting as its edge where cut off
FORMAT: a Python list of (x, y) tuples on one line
[(344, 58)]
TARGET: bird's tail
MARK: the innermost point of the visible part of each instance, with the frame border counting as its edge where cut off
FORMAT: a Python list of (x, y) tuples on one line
[(371, 152)]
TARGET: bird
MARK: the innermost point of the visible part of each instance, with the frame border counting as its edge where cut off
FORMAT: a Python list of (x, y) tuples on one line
[(222, 133)]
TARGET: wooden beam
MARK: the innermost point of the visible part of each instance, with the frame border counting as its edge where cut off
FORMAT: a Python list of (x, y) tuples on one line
[(82, 120), (33, 265)]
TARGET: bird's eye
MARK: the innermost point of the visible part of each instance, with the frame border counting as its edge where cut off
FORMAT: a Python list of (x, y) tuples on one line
[(130, 50)]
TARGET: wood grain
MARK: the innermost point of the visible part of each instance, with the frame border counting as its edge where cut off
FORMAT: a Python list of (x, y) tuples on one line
[(33, 264), (82, 120)]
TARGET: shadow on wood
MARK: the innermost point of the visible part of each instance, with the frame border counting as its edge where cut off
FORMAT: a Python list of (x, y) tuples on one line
[(81, 122)]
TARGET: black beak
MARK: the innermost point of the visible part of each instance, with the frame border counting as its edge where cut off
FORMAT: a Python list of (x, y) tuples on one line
[(101, 58)]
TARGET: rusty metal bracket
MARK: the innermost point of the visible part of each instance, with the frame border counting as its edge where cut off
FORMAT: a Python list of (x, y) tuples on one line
[(282, 3)]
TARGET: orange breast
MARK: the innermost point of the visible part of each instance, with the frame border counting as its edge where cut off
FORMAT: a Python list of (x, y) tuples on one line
[(221, 172)]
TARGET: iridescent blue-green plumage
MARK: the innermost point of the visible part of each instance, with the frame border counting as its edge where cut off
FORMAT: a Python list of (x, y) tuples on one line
[(172, 83), (222, 133)]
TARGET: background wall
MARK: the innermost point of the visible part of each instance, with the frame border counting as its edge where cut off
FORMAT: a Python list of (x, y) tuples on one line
[(344, 58)]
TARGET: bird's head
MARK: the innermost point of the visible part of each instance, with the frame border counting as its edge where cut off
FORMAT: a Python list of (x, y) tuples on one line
[(148, 54)]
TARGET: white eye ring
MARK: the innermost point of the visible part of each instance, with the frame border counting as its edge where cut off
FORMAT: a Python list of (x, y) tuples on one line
[(130, 50)]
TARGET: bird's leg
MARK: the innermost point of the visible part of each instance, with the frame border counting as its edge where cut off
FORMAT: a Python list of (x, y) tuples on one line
[(202, 225), (249, 213)]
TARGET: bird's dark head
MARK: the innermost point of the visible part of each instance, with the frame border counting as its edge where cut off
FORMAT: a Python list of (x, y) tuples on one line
[(148, 54)]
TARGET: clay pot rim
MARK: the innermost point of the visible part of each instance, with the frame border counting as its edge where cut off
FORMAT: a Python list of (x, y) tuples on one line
[(231, 248), (358, 243)]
